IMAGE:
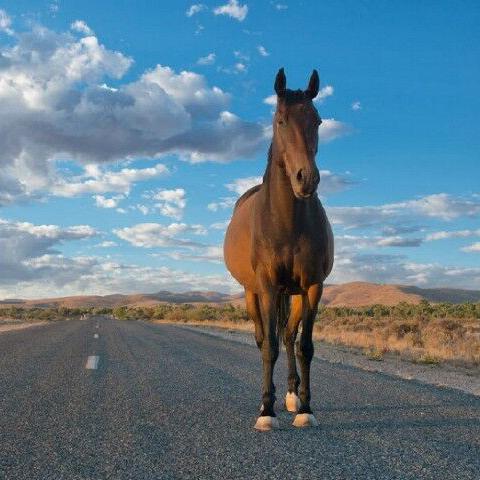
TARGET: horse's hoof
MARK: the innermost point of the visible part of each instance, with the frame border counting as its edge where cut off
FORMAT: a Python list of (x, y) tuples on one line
[(305, 420), (292, 402), (265, 424)]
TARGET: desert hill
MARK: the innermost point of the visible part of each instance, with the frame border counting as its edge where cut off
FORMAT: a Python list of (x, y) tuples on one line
[(352, 294)]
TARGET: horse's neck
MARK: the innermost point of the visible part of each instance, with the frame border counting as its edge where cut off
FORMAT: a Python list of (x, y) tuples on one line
[(283, 208)]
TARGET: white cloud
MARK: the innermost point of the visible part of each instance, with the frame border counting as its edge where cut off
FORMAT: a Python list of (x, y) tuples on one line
[(331, 129), (213, 254), (170, 203), (222, 204), (270, 100), (396, 269), (81, 27), (356, 105), (103, 202), (194, 9), (22, 243), (107, 244), (151, 235), (452, 234), (241, 185), (474, 247), (95, 180), (323, 93), (398, 241), (240, 67), (207, 60), (5, 23), (281, 6), (441, 206), (262, 51), (55, 103), (233, 9)]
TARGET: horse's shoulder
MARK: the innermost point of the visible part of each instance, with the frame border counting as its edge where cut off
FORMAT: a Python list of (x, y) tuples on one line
[(247, 195)]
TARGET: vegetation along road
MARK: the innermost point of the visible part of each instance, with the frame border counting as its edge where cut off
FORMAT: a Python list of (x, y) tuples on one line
[(99, 398)]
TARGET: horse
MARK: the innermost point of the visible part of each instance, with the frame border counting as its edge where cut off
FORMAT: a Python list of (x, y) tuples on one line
[(279, 247)]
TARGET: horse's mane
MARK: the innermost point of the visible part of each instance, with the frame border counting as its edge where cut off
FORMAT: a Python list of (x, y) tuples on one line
[(256, 188)]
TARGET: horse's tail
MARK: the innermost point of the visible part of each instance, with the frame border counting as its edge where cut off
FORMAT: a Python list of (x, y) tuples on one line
[(282, 314)]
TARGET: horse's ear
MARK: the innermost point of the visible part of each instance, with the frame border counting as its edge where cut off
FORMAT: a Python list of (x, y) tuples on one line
[(280, 83), (313, 85)]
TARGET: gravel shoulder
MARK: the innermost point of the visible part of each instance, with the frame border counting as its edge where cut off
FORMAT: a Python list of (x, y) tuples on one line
[(441, 375), (19, 326)]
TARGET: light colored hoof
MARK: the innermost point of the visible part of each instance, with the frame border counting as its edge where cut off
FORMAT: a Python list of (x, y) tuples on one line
[(266, 424), (305, 420), (292, 402)]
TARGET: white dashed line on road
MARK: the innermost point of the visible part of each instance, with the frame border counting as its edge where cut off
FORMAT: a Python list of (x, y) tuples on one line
[(92, 362)]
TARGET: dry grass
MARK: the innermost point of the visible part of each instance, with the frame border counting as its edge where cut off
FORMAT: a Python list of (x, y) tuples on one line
[(424, 340)]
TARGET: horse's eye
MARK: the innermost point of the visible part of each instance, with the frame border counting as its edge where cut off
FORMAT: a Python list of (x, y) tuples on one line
[(281, 122)]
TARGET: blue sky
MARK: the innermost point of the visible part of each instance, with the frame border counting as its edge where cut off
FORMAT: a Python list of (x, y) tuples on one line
[(130, 128)]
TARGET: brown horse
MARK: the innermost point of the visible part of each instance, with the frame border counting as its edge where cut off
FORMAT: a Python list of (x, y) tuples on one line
[(279, 246)]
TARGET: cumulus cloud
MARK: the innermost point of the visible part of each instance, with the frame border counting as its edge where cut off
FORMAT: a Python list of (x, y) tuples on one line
[(97, 180), (331, 129), (5, 23), (207, 60), (95, 275), (194, 9), (55, 103), (107, 244), (149, 235), (170, 203), (23, 243), (81, 27), (356, 106), (324, 93), (441, 235), (232, 9), (441, 206), (103, 202), (241, 185), (211, 254), (222, 204), (474, 247), (262, 51), (398, 241)]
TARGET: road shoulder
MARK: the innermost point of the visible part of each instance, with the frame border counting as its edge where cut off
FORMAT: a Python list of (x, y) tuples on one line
[(465, 379)]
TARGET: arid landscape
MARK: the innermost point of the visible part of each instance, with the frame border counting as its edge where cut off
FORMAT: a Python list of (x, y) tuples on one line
[(422, 325), (353, 294)]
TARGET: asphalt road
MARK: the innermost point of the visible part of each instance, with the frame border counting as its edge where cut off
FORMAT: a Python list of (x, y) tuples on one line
[(170, 403)]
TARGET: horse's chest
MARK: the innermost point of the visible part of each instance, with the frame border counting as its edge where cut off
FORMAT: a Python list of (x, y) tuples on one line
[(295, 267)]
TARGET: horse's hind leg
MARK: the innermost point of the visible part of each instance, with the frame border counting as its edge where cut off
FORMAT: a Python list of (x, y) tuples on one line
[(292, 402), (253, 311), (305, 417)]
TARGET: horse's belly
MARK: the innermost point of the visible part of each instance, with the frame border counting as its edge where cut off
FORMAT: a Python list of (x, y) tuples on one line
[(237, 246)]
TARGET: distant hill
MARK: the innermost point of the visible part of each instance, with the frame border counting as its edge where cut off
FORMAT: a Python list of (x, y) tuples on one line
[(352, 294)]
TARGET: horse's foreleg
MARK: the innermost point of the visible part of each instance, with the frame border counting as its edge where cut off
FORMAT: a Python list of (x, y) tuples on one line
[(292, 402), (305, 417), (268, 308), (253, 311)]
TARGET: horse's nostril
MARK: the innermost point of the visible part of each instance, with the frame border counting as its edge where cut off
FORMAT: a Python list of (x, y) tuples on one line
[(299, 175)]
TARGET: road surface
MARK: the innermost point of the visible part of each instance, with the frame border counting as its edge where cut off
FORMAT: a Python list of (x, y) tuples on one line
[(162, 402)]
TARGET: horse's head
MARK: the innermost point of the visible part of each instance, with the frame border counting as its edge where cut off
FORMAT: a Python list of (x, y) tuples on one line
[(295, 134)]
